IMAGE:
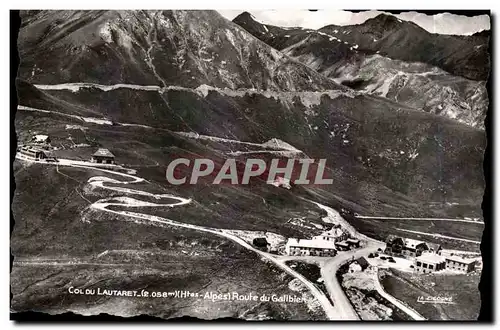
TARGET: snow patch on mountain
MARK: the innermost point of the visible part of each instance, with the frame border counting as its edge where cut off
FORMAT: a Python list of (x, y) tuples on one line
[(230, 37), (105, 33), (274, 143)]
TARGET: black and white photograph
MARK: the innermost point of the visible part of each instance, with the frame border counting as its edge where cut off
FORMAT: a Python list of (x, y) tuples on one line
[(257, 165)]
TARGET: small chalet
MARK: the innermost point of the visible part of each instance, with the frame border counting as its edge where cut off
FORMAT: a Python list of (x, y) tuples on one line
[(261, 243), (429, 263), (358, 265), (103, 156), (353, 242)]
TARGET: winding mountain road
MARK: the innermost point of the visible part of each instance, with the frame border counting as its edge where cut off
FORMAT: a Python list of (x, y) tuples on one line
[(341, 308), (331, 312)]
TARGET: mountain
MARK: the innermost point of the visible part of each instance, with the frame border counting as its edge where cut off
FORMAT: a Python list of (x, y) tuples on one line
[(154, 48), (322, 118), (275, 36), (373, 57), (465, 56)]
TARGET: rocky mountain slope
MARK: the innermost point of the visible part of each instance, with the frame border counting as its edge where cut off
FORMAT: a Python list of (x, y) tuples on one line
[(162, 48), (465, 56), (374, 58)]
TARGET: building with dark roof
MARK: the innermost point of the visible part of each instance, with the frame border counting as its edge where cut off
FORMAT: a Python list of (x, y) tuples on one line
[(363, 262), (261, 243), (407, 247), (358, 265), (103, 156)]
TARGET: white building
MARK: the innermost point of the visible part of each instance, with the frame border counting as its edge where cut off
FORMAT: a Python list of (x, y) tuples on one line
[(41, 138), (429, 263), (310, 247), (333, 235), (460, 264)]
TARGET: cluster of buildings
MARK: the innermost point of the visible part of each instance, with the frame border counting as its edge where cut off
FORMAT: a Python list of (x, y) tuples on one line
[(408, 248), (428, 263), (427, 256), (36, 153), (325, 245), (39, 148)]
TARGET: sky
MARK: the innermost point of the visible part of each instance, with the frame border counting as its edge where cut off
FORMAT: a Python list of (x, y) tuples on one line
[(445, 23)]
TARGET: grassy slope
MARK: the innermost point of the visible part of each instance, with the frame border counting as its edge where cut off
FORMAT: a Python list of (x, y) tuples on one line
[(353, 292), (463, 289), (216, 205), (370, 170), (155, 258)]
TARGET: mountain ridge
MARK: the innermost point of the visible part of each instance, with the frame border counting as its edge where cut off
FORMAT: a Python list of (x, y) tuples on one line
[(453, 52), (126, 47), (355, 62)]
